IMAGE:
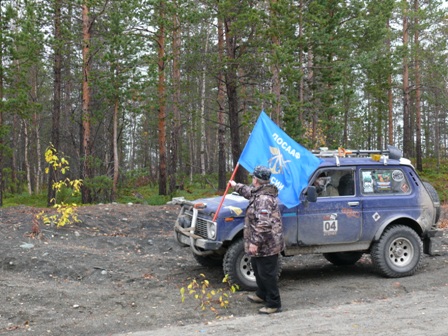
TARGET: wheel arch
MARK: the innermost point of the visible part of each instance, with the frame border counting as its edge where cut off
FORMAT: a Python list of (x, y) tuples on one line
[(402, 221), (236, 233)]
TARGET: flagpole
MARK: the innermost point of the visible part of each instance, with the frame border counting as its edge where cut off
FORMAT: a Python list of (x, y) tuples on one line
[(225, 193)]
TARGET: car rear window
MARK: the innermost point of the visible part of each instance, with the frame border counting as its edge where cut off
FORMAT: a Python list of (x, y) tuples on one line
[(384, 181)]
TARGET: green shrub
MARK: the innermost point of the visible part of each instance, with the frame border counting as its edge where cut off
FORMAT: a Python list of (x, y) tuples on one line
[(100, 188)]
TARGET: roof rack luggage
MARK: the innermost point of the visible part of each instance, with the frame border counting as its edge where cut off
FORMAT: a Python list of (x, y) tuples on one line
[(391, 152)]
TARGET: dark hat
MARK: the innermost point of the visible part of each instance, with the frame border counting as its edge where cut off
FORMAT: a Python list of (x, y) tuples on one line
[(263, 173)]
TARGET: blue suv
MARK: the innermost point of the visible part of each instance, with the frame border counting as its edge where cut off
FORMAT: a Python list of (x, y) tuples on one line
[(365, 202)]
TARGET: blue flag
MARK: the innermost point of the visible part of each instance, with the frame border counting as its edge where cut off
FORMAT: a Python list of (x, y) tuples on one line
[(291, 164)]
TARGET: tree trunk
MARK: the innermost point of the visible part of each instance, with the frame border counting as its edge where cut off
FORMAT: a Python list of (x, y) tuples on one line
[(162, 101), (232, 96), (346, 111), (38, 167), (1, 108), (16, 140), (437, 132), (86, 172), (26, 158), (301, 57), (276, 86), (191, 148), (115, 149), (222, 180), (147, 163), (175, 121), (418, 128), (203, 135), (57, 70), (390, 96), (231, 76), (314, 112), (406, 111)]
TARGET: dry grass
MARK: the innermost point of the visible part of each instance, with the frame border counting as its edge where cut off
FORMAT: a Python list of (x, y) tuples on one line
[(443, 223)]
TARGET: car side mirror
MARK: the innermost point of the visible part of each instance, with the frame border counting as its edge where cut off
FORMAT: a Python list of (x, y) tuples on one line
[(311, 194)]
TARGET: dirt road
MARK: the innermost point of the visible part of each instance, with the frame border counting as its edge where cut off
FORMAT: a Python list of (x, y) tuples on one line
[(119, 272), (420, 313)]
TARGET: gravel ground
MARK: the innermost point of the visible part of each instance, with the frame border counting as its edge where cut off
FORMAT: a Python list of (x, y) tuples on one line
[(119, 272)]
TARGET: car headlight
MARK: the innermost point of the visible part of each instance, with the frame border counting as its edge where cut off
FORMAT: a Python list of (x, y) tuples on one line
[(211, 230)]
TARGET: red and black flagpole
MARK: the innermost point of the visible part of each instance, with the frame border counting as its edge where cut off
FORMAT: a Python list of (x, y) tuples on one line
[(225, 193)]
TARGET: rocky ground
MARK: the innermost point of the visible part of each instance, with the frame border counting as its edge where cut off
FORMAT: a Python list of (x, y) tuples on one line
[(119, 271)]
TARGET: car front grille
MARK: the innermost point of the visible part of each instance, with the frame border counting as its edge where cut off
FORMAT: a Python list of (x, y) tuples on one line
[(201, 224)]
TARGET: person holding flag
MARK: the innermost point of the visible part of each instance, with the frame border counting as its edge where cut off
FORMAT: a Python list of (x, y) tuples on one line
[(290, 163), (281, 169), (263, 237)]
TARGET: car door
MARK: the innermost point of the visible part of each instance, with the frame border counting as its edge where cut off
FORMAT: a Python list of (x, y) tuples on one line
[(332, 219), (387, 194)]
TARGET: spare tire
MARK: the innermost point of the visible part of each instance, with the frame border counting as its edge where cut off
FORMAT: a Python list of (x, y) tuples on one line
[(435, 199)]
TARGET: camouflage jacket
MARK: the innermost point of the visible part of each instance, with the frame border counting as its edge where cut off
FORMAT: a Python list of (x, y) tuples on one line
[(263, 223)]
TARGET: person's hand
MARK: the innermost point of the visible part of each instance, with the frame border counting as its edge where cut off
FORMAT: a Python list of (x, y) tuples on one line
[(253, 249), (232, 183)]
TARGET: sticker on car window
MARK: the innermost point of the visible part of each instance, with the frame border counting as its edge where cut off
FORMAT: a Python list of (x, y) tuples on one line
[(397, 175)]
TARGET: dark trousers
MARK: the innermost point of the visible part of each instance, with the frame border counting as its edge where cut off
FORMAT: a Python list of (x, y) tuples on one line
[(266, 270)]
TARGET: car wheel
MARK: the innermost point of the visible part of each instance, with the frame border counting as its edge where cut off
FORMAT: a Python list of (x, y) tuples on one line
[(212, 260), (343, 258), (398, 252), (238, 268)]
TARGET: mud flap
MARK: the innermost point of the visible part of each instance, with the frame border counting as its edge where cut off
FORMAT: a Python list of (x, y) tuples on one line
[(432, 244)]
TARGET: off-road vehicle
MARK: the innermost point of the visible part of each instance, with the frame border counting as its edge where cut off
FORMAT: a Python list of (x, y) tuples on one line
[(378, 205)]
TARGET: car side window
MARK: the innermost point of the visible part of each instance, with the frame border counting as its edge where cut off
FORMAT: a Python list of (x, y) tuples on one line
[(384, 181), (346, 185), (334, 182)]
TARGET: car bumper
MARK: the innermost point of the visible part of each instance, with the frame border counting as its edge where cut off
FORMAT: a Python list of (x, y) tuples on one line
[(194, 242)]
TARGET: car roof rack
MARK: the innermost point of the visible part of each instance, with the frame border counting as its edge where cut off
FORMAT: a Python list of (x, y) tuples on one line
[(391, 152)]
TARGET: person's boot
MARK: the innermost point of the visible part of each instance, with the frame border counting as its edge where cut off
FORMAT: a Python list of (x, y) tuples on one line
[(254, 298), (267, 310)]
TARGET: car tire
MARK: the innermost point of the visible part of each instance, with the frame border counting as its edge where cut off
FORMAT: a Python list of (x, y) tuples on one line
[(343, 258), (212, 260), (238, 268), (398, 252), (435, 199)]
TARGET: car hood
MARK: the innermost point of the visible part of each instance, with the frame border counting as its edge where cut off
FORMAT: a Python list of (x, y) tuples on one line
[(234, 205)]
